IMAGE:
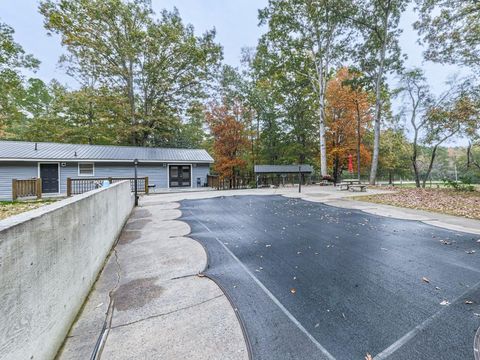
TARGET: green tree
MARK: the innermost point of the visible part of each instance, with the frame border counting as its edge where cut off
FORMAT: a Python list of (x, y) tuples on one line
[(416, 92), (309, 37), (394, 154), (160, 66), (292, 108), (450, 30), (13, 60), (454, 116), (379, 54)]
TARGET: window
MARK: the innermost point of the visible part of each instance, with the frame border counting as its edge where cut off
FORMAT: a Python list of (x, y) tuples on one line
[(85, 169)]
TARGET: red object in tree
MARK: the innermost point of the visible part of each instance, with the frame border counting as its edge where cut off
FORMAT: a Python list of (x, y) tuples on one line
[(350, 164)]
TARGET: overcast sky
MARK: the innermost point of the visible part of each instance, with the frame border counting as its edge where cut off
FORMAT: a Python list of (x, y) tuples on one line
[(235, 21)]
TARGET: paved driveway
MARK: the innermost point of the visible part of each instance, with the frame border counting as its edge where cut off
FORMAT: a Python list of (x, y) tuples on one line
[(312, 281)]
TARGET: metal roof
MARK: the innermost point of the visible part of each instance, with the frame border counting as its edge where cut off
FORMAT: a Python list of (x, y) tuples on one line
[(282, 169), (21, 150)]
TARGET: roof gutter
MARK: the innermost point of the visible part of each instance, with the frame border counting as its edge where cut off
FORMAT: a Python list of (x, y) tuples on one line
[(110, 161)]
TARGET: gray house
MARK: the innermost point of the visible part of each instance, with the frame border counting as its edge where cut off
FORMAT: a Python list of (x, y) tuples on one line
[(54, 163)]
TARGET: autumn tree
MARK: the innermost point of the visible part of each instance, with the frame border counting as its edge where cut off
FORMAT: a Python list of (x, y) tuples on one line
[(349, 116), (229, 139)]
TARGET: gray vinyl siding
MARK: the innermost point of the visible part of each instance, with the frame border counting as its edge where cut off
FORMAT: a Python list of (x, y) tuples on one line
[(10, 171), (157, 174), (200, 171)]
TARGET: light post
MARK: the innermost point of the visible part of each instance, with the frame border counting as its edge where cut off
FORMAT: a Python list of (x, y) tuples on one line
[(299, 178), (135, 163)]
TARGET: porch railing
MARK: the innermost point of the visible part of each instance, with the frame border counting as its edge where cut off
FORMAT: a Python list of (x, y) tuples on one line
[(26, 188), (80, 186), (239, 182)]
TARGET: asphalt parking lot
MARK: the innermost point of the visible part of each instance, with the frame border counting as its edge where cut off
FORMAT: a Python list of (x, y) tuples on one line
[(312, 281)]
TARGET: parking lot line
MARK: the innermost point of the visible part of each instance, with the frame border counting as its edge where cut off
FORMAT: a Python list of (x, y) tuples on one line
[(412, 333), (270, 295)]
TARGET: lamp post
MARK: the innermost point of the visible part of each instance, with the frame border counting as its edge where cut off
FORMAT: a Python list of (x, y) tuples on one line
[(135, 163), (299, 178)]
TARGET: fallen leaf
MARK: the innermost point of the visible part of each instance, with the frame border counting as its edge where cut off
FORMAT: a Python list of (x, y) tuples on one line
[(424, 279), (293, 290)]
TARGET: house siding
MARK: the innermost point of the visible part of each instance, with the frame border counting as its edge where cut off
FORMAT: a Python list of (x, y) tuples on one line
[(156, 172), (200, 171), (10, 171)]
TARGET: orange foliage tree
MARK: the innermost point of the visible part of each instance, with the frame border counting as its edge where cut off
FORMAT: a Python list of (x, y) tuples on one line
[(230, 140), (349, 116)]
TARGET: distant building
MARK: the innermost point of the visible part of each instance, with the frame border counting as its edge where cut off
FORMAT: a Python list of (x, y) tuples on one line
[(55, 162)]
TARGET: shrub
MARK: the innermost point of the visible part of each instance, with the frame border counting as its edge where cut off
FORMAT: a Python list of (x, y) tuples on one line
[(464, 184)]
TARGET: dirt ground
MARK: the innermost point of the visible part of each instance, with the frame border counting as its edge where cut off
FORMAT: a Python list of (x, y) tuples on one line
[(9, 208), (445, 201)]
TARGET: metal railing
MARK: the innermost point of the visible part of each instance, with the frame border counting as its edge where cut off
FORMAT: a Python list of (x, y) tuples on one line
[(80, 186)]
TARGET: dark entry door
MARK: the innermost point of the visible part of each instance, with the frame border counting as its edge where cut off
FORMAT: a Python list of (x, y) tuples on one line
[(49, 176), (180, 176)]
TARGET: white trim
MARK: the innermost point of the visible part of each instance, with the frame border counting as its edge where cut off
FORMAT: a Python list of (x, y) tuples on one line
[(182, 162), (59, 177), (179, 164), (83, 163)]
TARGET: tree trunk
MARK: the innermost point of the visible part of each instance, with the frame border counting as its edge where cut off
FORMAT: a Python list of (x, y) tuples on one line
[(414, 159), (321, 124), (358, 139), (90, 122), (131, 101), (335, 169), (430, 166), (378, 102)]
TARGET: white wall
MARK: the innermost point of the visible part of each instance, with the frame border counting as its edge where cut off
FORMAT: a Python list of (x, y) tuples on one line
[(49, 260)]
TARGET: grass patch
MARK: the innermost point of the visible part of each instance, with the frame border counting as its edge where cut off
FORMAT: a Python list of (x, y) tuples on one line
[(10, 208), (445, 201)]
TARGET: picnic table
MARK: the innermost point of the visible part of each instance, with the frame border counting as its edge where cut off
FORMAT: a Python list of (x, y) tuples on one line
[(351, 181), (357, 187), (352, 185)]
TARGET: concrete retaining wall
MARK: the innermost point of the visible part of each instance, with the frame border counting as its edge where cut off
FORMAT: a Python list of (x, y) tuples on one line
[(49, 259)]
